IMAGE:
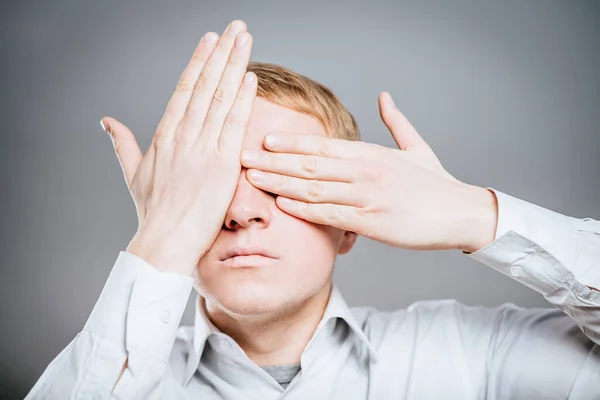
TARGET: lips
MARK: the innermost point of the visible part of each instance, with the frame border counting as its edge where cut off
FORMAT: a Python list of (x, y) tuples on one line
[(252, 256)]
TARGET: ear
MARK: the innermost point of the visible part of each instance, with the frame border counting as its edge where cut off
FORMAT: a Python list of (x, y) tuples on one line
[(347, 242)]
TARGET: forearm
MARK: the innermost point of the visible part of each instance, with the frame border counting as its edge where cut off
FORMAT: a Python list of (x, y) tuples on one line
[(78, 372), (125, 344), (164, 252), (481, 227), (479, 220), (551, 253)]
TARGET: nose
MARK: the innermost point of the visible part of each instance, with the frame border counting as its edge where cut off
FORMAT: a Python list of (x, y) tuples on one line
[(250, 206)]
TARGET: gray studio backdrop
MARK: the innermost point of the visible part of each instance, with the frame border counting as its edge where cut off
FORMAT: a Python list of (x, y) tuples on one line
[(506, 93)]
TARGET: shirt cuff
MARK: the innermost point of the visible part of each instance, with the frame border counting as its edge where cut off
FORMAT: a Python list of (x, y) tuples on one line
[(526, 231), (140, 308)]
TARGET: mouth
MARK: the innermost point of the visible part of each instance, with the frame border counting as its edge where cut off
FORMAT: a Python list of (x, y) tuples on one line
[(252, 256)]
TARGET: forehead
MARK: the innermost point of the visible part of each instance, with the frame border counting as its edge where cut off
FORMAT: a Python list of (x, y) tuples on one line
[(267, 117)]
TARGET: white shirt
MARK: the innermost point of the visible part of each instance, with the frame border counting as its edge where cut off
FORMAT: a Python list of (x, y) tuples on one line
[(431, 350)]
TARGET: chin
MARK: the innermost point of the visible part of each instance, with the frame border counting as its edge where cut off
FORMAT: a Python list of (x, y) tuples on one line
[(250, 299)]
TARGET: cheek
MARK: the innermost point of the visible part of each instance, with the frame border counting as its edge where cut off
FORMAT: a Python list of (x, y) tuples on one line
[(314, 241), (312, 250)]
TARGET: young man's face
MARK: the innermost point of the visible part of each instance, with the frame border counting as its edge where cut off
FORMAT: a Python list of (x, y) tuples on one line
[(302, 254)]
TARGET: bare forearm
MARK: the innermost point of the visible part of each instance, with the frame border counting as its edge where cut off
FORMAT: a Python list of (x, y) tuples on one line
[(157, 251), (480, 221)]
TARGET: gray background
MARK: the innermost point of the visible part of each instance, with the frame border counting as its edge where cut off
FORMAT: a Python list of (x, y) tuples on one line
[(506, 93)]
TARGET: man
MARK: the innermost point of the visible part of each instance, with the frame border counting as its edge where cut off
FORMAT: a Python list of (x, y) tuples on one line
[(257, 231)]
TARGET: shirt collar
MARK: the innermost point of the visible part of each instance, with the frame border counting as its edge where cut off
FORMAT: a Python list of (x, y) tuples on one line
[(204, 328), (338, 308)]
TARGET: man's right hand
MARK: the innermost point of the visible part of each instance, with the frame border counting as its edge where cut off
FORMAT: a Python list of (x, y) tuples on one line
[(183, 185)]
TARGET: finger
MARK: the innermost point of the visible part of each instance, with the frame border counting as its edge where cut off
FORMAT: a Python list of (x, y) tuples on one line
[(309, 190), (300, 165), (228, 87), (339, 216), (287, 142), (183, 92), (405, 135), (128, 152), (234, 127), (204, 89)]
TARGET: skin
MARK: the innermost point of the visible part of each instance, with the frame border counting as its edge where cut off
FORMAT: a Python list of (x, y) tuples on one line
[(183, 186), (198, 195), (285, 300)]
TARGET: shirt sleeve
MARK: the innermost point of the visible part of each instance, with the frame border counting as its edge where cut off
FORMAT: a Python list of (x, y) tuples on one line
[(553, 254), (509, 352), (136, 319)]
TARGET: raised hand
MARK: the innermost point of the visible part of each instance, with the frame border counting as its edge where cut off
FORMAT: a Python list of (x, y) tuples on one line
[(183, 185), (402, 197)]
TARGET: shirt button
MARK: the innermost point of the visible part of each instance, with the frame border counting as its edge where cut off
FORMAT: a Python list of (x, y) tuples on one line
[(165, 316), (225, 345), (515, 271)]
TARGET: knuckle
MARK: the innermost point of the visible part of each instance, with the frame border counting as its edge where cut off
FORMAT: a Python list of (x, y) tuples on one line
[(184, 86), (232, 121), (315, 189), (305, 209), (221, 95), (160, 133), (331, 214), (201, 83), (199, 55), (271, 161), (325, 146), (366, 213), (179, 138), (157, 141), (160, 137), (310, 165)]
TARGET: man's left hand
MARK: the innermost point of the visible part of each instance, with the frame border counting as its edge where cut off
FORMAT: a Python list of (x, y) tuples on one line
[(402, 197)]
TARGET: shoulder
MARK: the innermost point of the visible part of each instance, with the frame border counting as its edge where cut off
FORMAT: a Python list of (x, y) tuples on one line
[(440, 311), (422, 312), (428, 318)]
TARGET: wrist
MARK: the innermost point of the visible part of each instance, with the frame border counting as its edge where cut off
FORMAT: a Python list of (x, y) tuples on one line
[(480, 221), (161, 255)]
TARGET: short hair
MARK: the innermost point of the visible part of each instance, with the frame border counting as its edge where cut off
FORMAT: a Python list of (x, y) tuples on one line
[(286, 88)]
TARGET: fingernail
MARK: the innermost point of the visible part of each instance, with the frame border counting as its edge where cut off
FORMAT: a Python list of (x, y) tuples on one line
[(249, 156), (241, 39), (249, 78), (235, 27), (273, 141), (210, 38), (103, 126), (390, 100), (257, 176)]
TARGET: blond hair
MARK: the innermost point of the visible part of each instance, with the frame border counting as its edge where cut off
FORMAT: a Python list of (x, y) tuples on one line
[(286, 88)]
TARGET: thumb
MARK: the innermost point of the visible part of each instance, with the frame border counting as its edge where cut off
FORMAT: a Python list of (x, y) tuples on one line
[(405, 135), (128, 152)]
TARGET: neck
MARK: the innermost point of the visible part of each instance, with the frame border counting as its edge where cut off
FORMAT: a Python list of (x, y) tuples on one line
[(277, 338)]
